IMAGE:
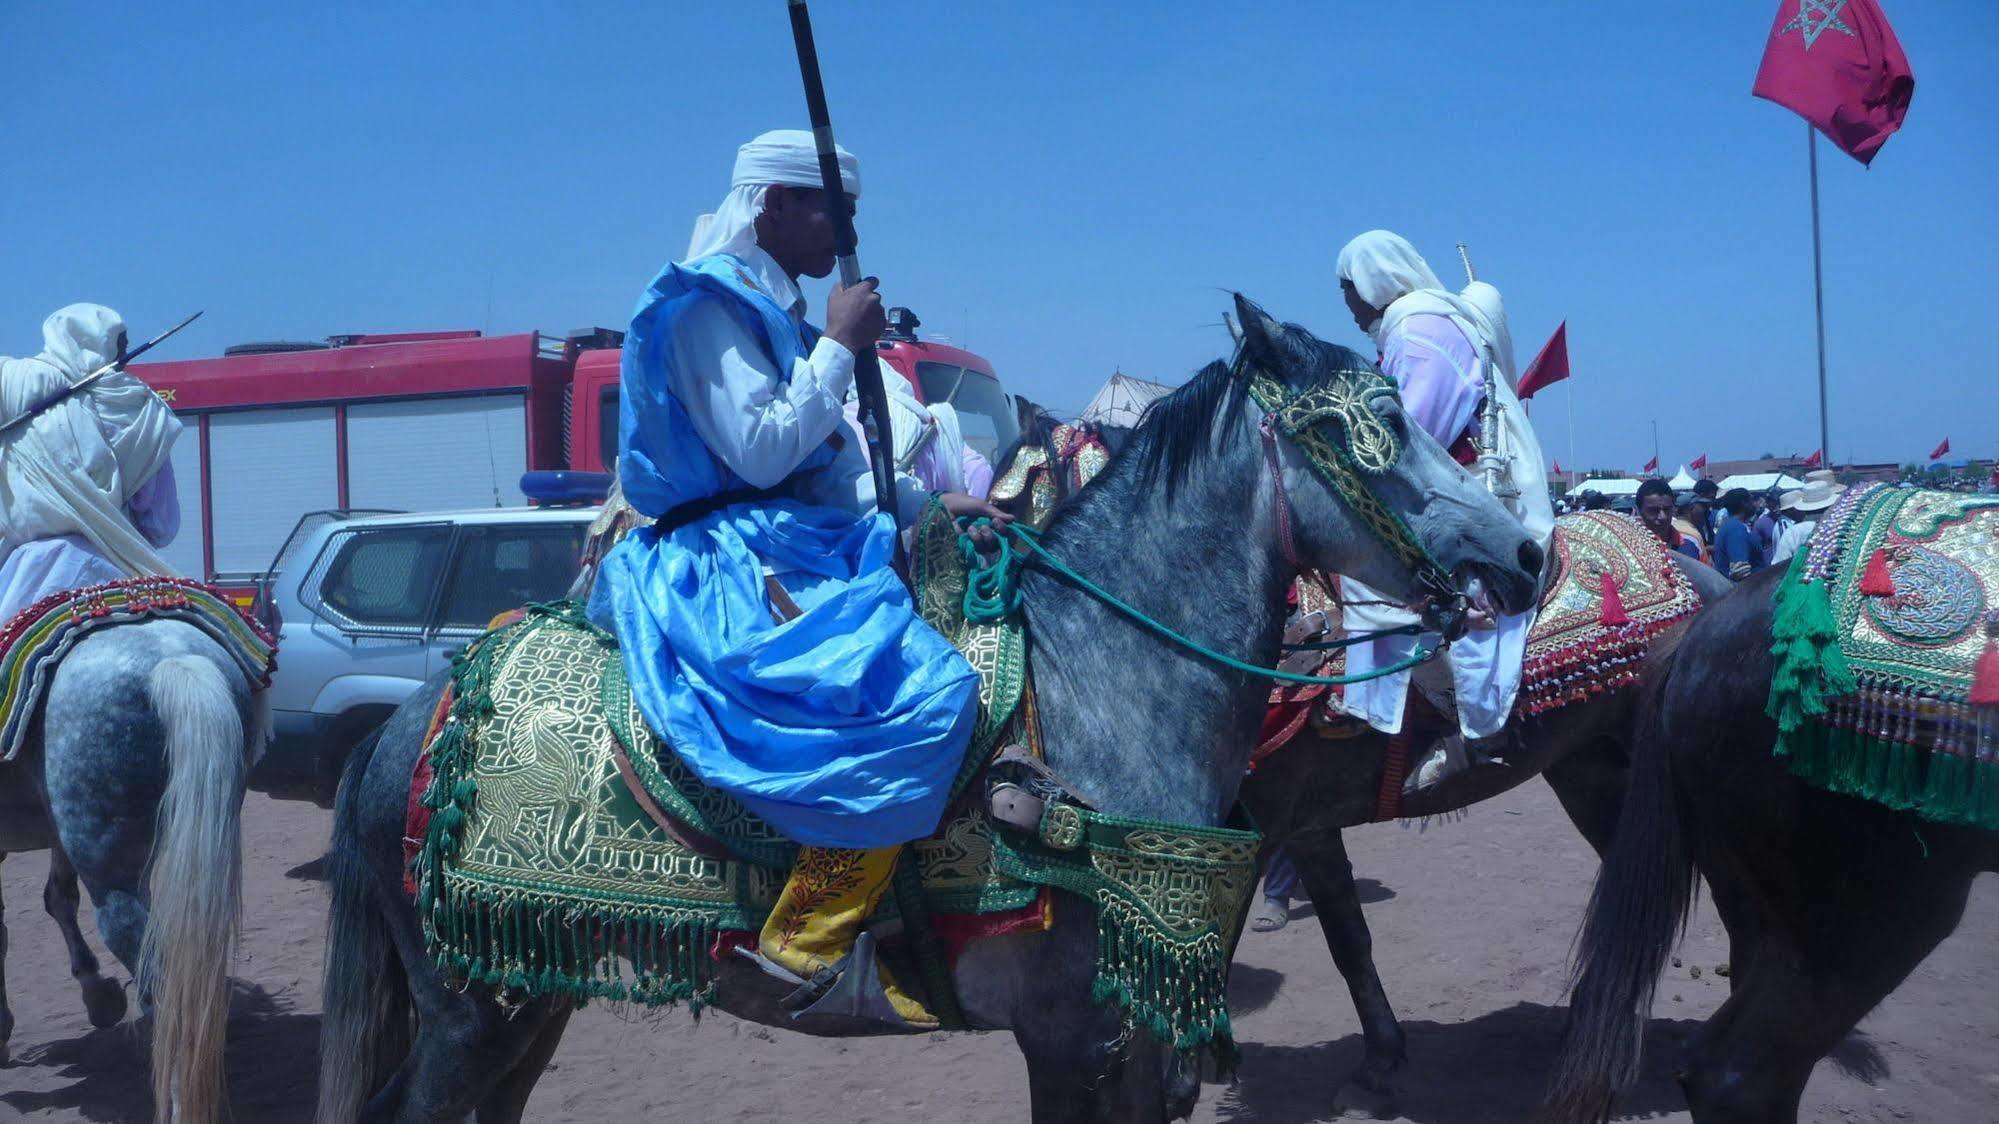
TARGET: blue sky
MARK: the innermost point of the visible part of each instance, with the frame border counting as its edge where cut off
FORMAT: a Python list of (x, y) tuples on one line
[(1068, 189)]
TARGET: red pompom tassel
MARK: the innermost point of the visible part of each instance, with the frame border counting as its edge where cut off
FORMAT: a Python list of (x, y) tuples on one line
[(1985, 677), (1613, 605), (1877, 581)]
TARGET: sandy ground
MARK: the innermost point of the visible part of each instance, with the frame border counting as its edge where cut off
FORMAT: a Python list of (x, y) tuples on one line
[(1472, 923)]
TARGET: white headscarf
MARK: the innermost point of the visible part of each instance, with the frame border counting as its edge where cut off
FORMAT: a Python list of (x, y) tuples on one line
[(781, 156), (1388, 273), (73, 468)]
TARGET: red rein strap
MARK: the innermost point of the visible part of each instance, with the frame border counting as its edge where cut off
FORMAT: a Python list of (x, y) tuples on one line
[(1268, 427)]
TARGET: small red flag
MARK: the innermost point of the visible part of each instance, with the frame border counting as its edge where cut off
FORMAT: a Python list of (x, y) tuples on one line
[(1651, 465), (1938, 452), (1837, 64), (1556, 470), (1817, 458), (1550, 365), (1698, 463)]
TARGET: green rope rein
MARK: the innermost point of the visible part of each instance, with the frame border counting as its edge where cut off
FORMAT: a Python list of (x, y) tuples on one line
[(992, 591)]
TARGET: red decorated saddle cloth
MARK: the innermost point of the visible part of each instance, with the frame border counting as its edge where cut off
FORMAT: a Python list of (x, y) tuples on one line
[(1612, 589), (34, 642)]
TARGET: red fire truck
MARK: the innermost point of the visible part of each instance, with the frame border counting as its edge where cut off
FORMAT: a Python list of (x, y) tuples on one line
[(431, 421)]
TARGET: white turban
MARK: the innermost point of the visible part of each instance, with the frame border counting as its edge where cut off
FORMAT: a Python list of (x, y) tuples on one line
[(781, 156)]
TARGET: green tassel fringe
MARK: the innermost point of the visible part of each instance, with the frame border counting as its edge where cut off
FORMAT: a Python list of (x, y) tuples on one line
[(1175, 990), (555, 949), (1804, 638)]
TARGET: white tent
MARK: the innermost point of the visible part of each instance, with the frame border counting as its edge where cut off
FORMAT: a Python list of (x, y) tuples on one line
[(1760, 481), (1623, 486), (1122, 400), (1682, 480)]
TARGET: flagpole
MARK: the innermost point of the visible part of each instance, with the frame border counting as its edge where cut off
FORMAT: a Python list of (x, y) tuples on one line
[(1571, 396), (1818, 284)]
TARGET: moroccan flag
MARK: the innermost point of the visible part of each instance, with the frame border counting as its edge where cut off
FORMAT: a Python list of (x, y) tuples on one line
[(1938, 452), (1817, 458), (1550, 366), (1651, 465), (1836, 63), (1698, 463), (1556, 470)]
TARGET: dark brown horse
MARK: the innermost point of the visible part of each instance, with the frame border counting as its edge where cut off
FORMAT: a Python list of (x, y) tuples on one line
[(1304, 795), (1829, 901)]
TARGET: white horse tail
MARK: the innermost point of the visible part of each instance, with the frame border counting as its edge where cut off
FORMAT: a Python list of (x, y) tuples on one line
[(364, 1028), (195, 886)]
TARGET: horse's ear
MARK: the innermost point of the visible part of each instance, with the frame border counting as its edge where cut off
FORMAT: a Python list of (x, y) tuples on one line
[(1259, 335)]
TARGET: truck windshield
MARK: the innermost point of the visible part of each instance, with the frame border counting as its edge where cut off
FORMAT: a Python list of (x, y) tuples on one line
[(984, 414)]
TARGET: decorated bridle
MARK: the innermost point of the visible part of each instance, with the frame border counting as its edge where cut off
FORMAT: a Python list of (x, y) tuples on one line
[(1333, 424)]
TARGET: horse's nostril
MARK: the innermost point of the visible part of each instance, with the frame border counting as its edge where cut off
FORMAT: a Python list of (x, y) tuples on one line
[(1530, 557)]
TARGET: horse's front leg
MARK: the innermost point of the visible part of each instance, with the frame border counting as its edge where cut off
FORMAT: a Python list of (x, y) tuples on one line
[(104, 999), (1321, 858), (1082, 1064)]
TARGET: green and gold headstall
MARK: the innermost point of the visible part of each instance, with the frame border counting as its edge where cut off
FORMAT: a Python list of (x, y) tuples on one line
[(1334, 425)]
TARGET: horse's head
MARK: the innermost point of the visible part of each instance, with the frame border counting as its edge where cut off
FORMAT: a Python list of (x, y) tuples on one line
[(1370, 494)]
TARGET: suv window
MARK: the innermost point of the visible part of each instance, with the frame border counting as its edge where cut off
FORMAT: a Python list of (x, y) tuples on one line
[(503, 567), (386, 577)]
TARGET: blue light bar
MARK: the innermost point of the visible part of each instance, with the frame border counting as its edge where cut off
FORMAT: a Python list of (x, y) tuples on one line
[(565, 488)]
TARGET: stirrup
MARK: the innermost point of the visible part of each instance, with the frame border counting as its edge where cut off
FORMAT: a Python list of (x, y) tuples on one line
[(851, 988)]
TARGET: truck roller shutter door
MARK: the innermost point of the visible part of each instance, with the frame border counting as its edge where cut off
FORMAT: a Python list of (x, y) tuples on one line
[(184, 553), (437, 454), (270, 467)]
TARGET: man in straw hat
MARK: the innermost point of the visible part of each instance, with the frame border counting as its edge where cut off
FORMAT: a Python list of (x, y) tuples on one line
[(1804, 505)]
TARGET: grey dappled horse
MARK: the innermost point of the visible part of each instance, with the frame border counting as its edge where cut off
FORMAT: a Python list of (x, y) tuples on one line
[(133, 777), (1305, 794), (1186, 525)]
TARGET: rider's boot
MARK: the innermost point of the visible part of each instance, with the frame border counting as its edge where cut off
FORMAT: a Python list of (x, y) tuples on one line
[(811, 935)]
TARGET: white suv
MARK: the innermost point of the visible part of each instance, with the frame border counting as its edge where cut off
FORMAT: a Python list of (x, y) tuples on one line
[(369, 607)]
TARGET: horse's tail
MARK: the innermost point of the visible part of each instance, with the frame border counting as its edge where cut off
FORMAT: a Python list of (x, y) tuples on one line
[(195, 885), (365, 1028), (1643, 897)]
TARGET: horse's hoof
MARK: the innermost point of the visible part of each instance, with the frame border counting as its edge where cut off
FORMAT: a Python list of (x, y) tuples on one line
[(104, 1000), (1357, 1100)]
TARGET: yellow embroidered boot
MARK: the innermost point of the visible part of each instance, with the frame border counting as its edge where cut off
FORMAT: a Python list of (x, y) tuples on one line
[(814, 934)]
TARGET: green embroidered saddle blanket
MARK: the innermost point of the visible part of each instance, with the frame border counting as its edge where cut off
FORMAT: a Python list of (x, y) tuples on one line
[(554, 807), (1883, 632)]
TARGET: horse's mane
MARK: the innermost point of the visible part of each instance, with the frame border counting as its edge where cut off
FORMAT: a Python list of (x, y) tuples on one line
[(1180, 428)]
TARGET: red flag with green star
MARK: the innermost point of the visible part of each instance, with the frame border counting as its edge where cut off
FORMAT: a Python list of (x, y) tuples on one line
[(1837, 64)]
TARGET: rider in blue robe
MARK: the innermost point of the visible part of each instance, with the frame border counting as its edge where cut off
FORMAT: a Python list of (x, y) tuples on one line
[(845, 724)]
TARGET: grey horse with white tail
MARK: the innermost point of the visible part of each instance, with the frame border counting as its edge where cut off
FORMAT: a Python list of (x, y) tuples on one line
[(1147, 711), (132, 775)]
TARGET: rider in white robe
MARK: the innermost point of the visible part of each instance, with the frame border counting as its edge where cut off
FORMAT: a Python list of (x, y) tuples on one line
[(87, 492), (1438, 346)]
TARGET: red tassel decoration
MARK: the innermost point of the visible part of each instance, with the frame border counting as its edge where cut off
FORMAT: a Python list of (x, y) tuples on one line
[(1985, 677), (1877, 581), (1613, 613)]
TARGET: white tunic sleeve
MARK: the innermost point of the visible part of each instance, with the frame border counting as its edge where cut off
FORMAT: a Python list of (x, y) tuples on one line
[(760, 427)]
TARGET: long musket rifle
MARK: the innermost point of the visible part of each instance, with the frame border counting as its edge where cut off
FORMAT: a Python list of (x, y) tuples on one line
[(84, 383), (867, 365), (1495, 463)]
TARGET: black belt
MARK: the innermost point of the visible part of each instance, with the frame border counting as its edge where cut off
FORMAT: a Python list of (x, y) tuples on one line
[(681, 514)]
